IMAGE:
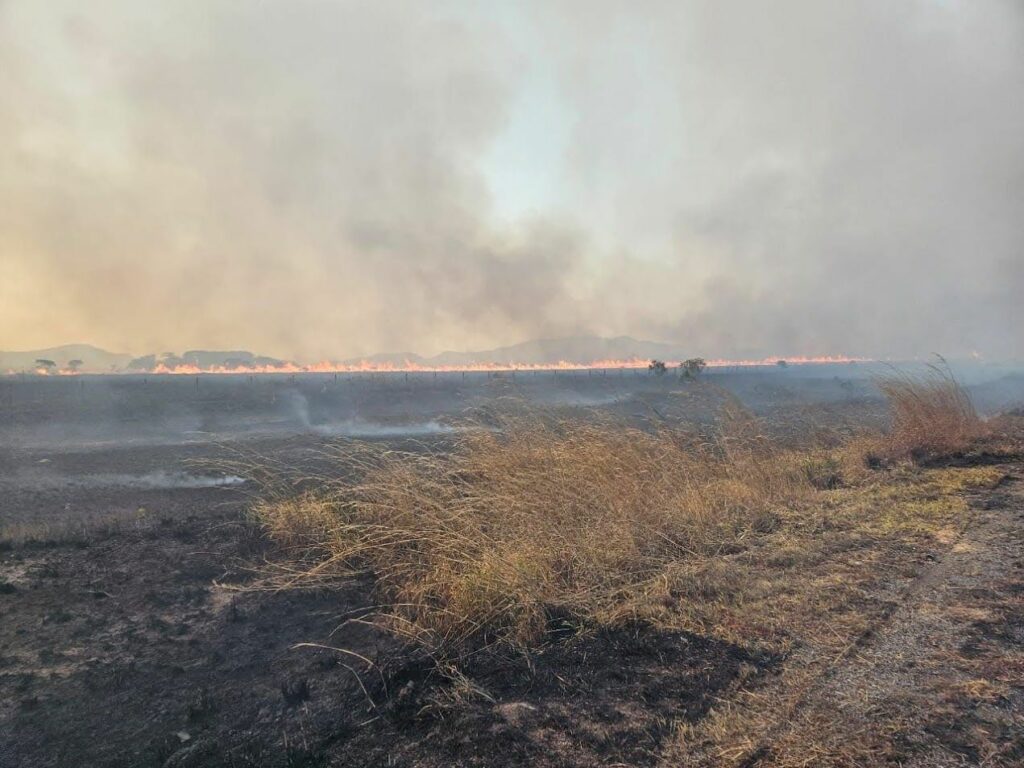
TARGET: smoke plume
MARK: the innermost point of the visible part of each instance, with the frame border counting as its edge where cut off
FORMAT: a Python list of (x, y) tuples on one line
[(311, 179)]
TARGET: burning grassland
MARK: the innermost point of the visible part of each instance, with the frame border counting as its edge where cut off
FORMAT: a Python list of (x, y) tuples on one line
[(233, 367)]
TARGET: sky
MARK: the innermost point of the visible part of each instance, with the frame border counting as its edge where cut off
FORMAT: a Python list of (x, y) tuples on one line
[(318, 179)]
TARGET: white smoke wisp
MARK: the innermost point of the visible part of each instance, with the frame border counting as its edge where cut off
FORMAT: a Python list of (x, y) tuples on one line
[(161, 479), (148, 481), (357, 428)]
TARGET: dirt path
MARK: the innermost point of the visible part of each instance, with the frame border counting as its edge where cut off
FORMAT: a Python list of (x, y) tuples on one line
[(938, 680)]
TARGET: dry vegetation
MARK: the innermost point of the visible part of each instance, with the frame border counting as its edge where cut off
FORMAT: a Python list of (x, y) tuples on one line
[(537, 527), (931, 413), (535, 524)]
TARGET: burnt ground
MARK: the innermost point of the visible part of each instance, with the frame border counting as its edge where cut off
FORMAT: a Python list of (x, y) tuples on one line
[(123, 649), (132, 646), (134, 632)]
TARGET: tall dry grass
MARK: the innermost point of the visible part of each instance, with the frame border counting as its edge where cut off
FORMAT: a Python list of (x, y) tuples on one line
[(530, 525), (533, 526), (932, 413)]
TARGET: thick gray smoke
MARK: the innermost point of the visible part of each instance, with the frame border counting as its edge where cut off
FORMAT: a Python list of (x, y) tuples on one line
[(311, 179), (838, 175)]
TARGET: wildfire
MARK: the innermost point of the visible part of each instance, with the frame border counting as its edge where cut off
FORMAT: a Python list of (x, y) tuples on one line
[(408, 366), (40, 371)]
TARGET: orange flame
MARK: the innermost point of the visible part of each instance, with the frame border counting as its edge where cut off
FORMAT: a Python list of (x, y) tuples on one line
[(40, 371)]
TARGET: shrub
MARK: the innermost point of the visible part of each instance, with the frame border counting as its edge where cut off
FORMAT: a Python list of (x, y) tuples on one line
[(931, 413)]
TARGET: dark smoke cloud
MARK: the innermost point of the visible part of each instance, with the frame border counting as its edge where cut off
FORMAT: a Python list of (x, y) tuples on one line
[(304, 179)]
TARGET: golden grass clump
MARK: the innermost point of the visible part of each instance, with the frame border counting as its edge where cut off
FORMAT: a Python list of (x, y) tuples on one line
[(932, 413), (534, 524)]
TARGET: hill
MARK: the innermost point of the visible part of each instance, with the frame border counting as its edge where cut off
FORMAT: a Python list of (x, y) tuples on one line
[(93, 358)]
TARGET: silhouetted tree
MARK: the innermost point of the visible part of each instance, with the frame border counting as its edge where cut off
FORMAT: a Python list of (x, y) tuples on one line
[(74, 365), (44, 364), (782, 363), (657, 367)]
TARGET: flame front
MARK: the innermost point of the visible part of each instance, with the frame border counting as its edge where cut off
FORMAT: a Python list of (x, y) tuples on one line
[(408, 366), (41, 371)]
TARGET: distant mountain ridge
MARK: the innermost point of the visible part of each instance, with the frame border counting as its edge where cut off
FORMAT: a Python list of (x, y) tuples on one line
[(576, 349), (579, 349), (93, 358), (205, 359)]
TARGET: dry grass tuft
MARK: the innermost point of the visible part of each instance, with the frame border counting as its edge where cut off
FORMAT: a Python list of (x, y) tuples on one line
[(535, 525), (932, 413)]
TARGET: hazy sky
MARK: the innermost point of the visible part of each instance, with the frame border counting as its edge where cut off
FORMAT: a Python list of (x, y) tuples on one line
[(309, 178)]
